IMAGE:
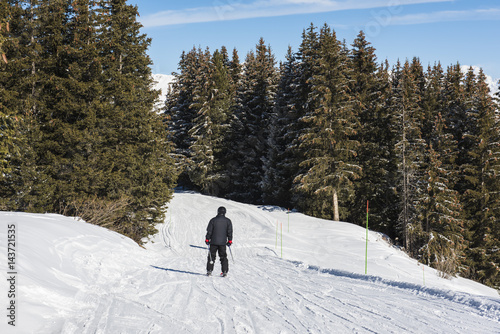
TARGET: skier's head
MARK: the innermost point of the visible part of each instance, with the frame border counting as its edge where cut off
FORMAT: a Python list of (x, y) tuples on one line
[(221, 211)]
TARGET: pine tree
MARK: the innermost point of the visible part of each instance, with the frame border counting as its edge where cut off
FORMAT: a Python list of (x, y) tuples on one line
[(281, 164), (213, 102), (97, 147), (327, 141), (409, 145), (307, 57), (254, 105), (57, 98), (21, 80), (180, 112), (70, 105), (47, 28), (90, 142), (455, 115), (199, 108), (443, 223), (4, 27), (441, 217), (432, 99), (7, 121), (134, 155), (370, 88), (483, 173), (235, 72)]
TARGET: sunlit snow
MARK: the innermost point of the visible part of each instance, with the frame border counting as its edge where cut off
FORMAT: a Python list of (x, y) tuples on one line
[(289, 274)]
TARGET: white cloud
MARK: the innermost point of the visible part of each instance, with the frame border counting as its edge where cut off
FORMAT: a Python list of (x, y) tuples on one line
[(225, 10), (443, 16)]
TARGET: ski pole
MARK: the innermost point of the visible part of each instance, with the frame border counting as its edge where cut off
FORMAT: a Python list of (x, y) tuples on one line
[(210, 255), (231, 252)]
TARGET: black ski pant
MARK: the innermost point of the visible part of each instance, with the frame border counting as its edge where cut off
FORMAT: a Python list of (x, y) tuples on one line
[(222, 255)]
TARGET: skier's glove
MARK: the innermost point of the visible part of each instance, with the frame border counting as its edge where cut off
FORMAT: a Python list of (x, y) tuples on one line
[(230, 242), (207, 241)]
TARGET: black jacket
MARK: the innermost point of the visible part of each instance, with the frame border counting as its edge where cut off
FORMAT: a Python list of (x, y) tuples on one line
[(219, 230)]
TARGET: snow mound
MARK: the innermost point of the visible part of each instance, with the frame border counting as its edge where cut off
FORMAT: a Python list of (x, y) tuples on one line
[(289, 273)]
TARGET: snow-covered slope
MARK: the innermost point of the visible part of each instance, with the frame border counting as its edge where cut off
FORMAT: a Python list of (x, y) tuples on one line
[(73, 277), (162, 81)]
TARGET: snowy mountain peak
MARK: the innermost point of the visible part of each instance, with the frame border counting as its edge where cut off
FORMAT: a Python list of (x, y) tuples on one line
[(162, 83)]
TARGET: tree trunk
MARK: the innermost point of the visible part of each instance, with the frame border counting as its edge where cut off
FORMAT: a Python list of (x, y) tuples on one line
[(335, 206)]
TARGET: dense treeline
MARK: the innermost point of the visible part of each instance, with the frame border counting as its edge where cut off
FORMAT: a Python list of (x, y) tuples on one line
[(79, 131), (331, 128)]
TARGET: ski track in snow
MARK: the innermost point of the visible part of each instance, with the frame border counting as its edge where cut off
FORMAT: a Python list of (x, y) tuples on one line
[(163, 289)]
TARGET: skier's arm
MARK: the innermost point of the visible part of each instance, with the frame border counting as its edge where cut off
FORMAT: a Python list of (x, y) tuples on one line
[(210, 229), (230, 231)]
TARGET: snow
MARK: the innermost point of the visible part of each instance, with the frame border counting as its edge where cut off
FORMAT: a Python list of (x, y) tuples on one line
[(493, 84), (162, 81), (73, 277)]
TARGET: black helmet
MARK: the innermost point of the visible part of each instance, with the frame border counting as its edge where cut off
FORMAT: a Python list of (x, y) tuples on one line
[(221, 211)]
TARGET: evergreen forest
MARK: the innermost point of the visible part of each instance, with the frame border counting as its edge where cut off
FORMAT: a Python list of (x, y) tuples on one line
[(79, 132), (330, 131), (325, 132)]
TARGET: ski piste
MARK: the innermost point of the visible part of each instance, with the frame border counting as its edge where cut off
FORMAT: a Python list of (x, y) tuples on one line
[(76, 277)]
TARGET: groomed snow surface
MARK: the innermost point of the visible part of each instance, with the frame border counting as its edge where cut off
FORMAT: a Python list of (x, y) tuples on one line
[(290, 274)]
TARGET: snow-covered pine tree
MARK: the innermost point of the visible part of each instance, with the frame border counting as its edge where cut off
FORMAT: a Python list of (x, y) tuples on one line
[(454, 113), (409, 145), (235, 71), (198, 111), (213, 101), (249, 128), (482, 173), (442, 222), (442, 214), (369, 90), (442, 218), (327, 140), (281, 164), (306, 57), (180, 113), (200, 152), (432, 99)]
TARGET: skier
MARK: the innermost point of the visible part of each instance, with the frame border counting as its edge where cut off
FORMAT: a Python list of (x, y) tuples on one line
[(219, 234)]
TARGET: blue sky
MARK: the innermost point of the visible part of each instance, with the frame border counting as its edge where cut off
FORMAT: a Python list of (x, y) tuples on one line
[(448, 31)]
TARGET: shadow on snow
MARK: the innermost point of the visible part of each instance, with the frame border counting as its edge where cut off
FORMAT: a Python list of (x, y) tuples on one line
[(178, 271)]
